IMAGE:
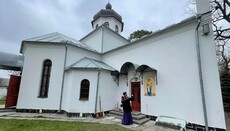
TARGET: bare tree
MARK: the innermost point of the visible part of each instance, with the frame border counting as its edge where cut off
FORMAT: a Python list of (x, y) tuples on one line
[(221, 19), (223, 54), (221, 25)]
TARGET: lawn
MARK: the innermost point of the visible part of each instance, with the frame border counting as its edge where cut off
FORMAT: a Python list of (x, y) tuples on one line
[(2, 101), (46, 125)]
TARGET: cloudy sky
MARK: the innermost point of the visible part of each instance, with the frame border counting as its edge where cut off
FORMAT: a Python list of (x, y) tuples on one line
[(23, 19)]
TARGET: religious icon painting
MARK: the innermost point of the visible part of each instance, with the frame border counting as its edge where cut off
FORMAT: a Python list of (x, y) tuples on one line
[(149, 86)]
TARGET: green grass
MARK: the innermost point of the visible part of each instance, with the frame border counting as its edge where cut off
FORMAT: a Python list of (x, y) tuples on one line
[(46, 125), (2, 101)]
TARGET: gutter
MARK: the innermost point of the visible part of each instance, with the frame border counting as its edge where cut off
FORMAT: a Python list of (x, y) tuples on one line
[(63, 78), (98, 80), (200, 73)]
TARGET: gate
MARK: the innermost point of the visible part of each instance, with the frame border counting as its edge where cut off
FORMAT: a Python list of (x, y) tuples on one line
[(12, 91)]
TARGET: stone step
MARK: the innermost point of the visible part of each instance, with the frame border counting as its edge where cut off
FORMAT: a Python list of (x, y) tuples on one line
[(135, 115), (142, 121), (138, 118), (133, 112), (139, 122)]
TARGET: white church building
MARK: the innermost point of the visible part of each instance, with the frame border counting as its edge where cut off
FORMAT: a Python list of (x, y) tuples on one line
[(172, 72)]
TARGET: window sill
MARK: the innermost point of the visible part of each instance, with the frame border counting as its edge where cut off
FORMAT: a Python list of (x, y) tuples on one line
[(83, 99), (42, 97)]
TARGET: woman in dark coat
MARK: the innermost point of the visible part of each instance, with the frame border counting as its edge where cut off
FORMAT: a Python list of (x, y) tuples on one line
[(127, 116)]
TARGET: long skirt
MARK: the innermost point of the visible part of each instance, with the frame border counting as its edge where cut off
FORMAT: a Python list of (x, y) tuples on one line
[(127, 118)]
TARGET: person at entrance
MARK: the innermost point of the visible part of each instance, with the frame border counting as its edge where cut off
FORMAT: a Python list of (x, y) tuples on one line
[(127, 116)]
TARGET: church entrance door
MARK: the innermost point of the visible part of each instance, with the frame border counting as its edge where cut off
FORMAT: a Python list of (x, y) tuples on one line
[(136, 92)]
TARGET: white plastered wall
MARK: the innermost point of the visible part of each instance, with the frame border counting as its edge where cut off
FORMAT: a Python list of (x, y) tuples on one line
[(71, 93), (104, 39), (173, 55), (74, 54), (112, 23), (94, 40), (112, 40), (31, 76), (107, 91), (212, 91)]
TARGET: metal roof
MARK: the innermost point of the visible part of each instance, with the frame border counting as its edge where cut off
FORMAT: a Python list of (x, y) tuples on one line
[(11, 61), (108, 12), (53, 37), (58, 38), (90, 63), (125, 67)]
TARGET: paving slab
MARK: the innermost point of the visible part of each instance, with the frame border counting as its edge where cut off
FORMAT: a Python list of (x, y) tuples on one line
[(128, 126), (116, 120), (6, 113), (109, 117)]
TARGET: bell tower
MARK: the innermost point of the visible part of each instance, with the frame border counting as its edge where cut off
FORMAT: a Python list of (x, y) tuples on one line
[(108, 17)]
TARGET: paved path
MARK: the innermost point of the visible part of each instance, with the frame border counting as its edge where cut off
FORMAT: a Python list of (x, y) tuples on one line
[(149, 126)]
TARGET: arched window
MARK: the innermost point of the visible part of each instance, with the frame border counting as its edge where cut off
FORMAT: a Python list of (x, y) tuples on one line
[(106, 24), (116, 29), (44, 88), (96, 26), (84, 92)]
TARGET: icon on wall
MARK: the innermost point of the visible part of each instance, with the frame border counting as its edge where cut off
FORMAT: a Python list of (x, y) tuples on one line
[(149, 86)]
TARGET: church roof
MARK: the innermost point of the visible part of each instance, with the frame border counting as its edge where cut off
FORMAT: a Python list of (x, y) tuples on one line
[(107, 12), (88, 63), (54, 37), (58, 38)]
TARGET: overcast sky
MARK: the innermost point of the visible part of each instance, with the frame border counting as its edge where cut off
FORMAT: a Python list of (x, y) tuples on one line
[(23, 19)]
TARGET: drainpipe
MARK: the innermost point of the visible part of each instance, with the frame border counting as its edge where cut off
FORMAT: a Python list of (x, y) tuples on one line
[(200, 73), (98, 80), (63, 78), (102, 38)]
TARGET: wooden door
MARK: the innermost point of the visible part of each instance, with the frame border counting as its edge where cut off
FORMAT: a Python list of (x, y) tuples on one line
[(136, 92), (12, 91)]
